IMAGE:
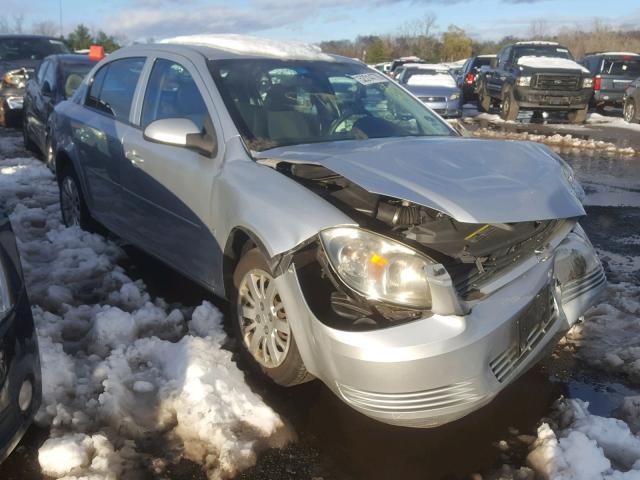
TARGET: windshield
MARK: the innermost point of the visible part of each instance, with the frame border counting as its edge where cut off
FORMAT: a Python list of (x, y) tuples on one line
[(623, 68), (277, 102), (17, 48), (542, 51)]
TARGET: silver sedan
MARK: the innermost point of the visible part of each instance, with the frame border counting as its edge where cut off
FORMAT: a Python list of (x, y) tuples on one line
[(360, 240)]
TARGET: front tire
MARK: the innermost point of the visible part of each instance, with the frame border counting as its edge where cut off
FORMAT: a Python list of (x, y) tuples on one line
[(578, 116), (261, 323), (484, 101), (630, 111), (510, 108)]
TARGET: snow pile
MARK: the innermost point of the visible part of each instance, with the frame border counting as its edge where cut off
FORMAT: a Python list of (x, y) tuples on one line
[(248, 45), (598, 119), (585, 446), (124, 374), (557, 140), (553, 63)]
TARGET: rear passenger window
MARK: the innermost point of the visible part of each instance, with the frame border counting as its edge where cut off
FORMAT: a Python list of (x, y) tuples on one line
[(172, 93), (113, 87), (41, 71)]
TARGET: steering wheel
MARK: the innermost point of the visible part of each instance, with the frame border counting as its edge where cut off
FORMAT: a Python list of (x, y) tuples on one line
[(343, 118)]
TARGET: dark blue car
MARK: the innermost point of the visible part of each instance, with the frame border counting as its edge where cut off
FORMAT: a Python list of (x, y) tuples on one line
[(56, 80), (20, 388)]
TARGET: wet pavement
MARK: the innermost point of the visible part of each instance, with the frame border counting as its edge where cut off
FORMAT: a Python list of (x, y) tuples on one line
[(335, 442)]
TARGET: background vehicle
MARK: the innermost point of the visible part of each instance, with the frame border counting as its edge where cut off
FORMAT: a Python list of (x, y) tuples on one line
[(612, 72), (19, 57), (57, 78), (538, 76), (466, 80), (433, 85), (631, 102), (395, 227), (20, 388), (398, 62)]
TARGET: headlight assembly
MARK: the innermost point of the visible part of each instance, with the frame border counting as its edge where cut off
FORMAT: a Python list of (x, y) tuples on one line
[(587, 82), (455, 96), (377, 267), (523, 81), (15, 78)]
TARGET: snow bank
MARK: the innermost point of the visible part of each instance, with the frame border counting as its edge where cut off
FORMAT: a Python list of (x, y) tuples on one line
[(554, 63), (598, 119), (585, 446), (123, 372), (249, 45), (557, 140)]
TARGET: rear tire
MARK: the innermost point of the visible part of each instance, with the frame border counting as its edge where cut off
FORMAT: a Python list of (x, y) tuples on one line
[(29, 144), (630, 112), (484, 101), (72, 203), (578, 116), (261, 325), (510, 108)]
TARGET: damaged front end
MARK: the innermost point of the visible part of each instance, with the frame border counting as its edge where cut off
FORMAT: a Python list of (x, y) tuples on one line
[(406, 261)]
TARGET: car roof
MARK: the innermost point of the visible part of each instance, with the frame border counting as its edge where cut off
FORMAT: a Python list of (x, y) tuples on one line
[(426, 66), (492, 55), (613, 54), (27, 36), (537, 42), (72, 58), (227, 47)]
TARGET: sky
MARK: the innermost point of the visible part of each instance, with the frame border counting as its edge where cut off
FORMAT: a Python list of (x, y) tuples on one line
[(318, 20)]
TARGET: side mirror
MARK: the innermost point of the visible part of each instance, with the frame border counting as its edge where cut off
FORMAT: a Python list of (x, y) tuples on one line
[(183, 132), (46, 89)]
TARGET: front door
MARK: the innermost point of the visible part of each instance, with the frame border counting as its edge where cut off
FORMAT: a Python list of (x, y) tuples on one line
[(167, 189)]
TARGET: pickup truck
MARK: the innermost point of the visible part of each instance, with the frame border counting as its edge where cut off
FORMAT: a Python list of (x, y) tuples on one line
[(537, 76)]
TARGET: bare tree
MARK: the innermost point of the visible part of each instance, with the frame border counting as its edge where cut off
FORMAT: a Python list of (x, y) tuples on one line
[(539, 29), (46, 27), (13, 25)]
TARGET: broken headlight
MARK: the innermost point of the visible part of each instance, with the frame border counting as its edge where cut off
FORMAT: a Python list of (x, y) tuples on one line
[(377, 267)]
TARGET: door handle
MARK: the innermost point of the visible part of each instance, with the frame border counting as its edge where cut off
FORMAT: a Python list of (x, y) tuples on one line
[(133, 157)]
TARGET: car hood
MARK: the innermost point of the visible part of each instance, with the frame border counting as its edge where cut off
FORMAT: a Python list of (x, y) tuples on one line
[(431, 91), (471, 180)]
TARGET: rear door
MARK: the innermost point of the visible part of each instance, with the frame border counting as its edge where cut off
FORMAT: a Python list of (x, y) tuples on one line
[(44, 102), (167, 189), (98, 135), (617, 73)]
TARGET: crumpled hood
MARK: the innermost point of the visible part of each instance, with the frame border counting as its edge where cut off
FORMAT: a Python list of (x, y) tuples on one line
[(471, 180)]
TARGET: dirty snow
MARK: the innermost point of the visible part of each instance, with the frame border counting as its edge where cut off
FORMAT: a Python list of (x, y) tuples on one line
[(558, 140), (249, 45), (583, 446), (554, 63), (598, 119), (125, 375)]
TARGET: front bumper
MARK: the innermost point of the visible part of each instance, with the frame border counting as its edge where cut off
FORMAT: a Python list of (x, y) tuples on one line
[(533, 98), (609, 98), (435, 370), (19, 363)]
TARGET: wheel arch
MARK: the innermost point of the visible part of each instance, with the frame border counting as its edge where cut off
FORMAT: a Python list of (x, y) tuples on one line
[(239, 241)]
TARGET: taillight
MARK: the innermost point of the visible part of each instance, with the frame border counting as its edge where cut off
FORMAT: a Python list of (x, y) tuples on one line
[(470, 78), (597, 82)]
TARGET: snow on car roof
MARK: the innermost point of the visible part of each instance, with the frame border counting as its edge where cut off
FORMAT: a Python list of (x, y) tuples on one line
[(537, 42), (427, 66), (619, 53), (550, 62), (249, 45)]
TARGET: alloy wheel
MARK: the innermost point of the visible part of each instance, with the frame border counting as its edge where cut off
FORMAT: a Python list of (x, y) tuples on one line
[(70, 202), (263, 320), (629, 111)]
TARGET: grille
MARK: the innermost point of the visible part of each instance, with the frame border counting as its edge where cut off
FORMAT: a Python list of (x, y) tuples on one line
[(433, 99), (557, 82), (443, 397), (542, 313)]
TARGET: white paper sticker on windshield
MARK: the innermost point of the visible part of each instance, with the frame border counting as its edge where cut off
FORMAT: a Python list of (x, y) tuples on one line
[(55, 42), (369, 78), (563, 50)]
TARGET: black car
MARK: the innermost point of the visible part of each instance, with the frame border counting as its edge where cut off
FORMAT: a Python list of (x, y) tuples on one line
[(631, 101), (20, 388), (56, 79), (538, 76), (19, 57), (612, 72), (467, 78)]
